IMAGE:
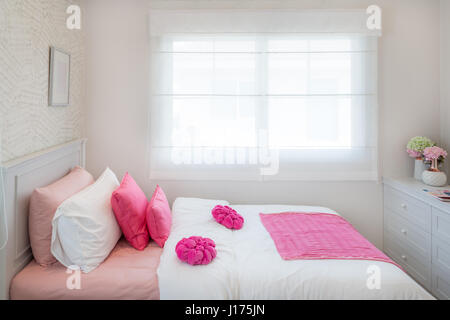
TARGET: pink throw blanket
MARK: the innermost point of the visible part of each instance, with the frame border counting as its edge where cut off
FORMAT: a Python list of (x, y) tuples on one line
[(312, 236)]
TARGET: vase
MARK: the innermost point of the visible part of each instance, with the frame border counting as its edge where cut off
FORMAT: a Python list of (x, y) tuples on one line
[(434, 178), (419, 167)]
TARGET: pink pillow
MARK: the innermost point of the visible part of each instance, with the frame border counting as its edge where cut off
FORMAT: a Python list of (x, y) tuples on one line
[(196, 250), (43, 204), (159, 217), (129, 205), (228, 217)]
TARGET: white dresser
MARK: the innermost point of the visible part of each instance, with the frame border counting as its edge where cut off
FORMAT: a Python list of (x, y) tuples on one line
[(417, 233)]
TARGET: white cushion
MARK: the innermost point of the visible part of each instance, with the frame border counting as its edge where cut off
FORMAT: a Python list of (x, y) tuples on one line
[(85, 229)]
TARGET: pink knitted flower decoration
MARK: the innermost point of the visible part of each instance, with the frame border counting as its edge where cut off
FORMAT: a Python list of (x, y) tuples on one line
[(434, 153), (228, 217), (196, 250)]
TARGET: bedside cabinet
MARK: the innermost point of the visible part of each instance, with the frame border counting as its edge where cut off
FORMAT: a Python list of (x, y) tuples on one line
[(417, 233)]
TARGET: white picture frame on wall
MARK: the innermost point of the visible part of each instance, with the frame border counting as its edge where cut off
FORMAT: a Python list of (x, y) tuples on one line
[(59, 78)]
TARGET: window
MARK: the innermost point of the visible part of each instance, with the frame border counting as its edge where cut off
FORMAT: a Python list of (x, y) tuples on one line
[(262, 105)]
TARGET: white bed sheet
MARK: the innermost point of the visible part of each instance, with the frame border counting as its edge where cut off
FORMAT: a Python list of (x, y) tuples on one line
[(248, 265)]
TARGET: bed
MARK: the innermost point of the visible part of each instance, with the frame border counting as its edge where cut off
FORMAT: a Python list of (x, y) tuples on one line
[(18, 179), (248, 265), (125, 274)]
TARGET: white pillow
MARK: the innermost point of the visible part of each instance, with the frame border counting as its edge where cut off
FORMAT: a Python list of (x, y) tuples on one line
[(85, 229)]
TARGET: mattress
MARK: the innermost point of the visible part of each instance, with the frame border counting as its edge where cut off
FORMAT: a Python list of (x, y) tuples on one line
[(127, 274), (248, 265)]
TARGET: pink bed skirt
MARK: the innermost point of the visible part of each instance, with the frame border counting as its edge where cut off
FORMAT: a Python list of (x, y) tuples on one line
[(127, 274)]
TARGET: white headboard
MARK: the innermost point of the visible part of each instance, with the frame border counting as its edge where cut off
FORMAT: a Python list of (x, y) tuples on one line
[(18, 179)]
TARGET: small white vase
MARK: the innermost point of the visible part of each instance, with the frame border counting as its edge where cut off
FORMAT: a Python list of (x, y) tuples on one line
[(419, 167), (434, 179)]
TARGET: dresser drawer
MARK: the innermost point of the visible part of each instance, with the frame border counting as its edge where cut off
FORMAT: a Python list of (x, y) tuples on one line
[(407, 257), (441, 224), (441, 283), (441, 254), (411, 209), (409, 234), (441, 268)]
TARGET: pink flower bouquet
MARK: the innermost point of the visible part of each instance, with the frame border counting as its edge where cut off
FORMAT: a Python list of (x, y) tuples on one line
[(414, 154), (417, 145), (434, 154)]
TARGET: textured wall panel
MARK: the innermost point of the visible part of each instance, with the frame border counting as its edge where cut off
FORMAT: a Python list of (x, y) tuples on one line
[(27, 30)]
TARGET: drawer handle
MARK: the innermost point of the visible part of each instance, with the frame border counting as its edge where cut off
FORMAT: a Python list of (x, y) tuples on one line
[(404, 206), (404, 257), (403, 231)]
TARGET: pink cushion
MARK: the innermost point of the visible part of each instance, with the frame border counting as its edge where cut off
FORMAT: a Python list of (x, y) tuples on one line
[(129, 205), (196, 250), (43, 204), (159, 217), (228, 217)]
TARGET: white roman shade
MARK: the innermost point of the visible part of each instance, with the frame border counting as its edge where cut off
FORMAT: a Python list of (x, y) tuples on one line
[(263, 95)]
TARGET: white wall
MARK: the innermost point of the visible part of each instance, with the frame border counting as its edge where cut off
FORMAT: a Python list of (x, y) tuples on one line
[(27, 30), (445, 76), (118, 89)]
